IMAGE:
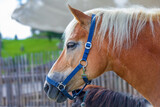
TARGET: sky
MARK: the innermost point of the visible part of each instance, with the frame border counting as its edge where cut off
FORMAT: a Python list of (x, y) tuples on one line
[(9, 27)]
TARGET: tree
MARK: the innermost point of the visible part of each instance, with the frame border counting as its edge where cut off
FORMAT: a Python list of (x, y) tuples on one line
[(15, 37), (51, 35), (0, 44), (47, 34)]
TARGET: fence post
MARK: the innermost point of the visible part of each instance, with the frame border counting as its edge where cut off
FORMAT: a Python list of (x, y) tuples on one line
[(9, 84), (19, 83), (103, 80), (25, 70), (32, 78), (1, 84), (22, 69), (36, 76), (43, 79)]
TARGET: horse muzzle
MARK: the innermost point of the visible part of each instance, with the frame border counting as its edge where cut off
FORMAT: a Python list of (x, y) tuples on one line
[(53, 92)]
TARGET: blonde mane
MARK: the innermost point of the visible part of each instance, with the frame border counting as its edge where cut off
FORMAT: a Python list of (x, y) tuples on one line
[(119, 22)]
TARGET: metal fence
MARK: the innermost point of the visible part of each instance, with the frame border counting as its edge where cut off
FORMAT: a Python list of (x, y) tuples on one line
[(22, 79)]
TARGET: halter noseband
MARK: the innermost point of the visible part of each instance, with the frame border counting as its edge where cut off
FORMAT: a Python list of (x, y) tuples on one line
[(61, 85)]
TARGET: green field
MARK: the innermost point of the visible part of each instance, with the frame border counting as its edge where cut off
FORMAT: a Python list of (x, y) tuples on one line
[(31, 45)]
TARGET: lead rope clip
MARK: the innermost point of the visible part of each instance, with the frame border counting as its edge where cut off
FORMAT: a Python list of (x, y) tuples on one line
[(83, 104), (84, 74)]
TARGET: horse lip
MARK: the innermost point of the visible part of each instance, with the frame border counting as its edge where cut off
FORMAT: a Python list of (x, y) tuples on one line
[(59, 97), (52, 92)]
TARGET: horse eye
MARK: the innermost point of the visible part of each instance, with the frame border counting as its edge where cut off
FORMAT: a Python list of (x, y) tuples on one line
[(71, 45)]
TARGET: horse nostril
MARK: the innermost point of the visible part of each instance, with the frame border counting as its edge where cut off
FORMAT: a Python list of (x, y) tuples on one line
[(46, 87), (51, 91)]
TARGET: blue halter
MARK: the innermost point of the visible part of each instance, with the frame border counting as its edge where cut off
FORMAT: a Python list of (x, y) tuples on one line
[(61, 85)]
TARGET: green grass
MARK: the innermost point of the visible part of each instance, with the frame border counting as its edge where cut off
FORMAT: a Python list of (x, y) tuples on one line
[(31, 45)]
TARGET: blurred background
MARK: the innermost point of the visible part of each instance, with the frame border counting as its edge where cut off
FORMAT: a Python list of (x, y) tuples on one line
[(31, 41)]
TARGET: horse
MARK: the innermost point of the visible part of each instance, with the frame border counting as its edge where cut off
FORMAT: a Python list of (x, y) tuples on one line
[(96, 96), (125, 40)]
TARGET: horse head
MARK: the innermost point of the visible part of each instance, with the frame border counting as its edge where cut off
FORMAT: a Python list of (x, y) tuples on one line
[(76, 35)]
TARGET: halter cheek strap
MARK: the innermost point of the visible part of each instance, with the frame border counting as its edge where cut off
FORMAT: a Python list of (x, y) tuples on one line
[(62, 85)]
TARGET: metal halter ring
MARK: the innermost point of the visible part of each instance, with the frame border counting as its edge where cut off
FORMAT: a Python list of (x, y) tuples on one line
[(61, 86), (88, 43), (82, 64)]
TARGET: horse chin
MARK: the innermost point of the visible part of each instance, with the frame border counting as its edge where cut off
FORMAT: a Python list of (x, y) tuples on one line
[(60, 98), (54, 94)]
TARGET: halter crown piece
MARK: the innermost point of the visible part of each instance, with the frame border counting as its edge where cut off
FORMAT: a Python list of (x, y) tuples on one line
[(61, 85)]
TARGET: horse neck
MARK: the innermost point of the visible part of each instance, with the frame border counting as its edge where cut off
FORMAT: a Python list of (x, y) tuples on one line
[(103, 97), (140, 64)]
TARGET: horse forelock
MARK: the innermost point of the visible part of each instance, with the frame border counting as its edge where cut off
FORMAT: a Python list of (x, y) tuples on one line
[(119, 22)]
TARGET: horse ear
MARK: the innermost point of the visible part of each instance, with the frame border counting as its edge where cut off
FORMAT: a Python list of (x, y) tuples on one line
[(80, 16)]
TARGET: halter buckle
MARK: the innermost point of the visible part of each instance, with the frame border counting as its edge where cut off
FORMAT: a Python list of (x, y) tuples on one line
[(88, 45), (61, 86)]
